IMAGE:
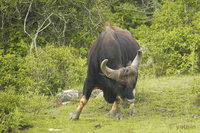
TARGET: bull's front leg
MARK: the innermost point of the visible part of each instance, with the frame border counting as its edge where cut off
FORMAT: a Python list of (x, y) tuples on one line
[(115, 111), (75, 115), (87, 90), (132, 107)]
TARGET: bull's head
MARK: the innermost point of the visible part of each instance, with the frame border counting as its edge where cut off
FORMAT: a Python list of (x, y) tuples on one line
[(123, 74)]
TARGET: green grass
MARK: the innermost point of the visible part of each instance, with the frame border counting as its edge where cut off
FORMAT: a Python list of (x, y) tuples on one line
[(163, 105)]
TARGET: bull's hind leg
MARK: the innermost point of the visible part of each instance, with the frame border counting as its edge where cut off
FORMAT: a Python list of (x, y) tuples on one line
[(87, 90), (115, 111)]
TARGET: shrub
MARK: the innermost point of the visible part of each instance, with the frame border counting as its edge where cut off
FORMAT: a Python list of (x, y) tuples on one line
[(11, 117), (51, 70), (9, 70), (172, 41), (18, 110)]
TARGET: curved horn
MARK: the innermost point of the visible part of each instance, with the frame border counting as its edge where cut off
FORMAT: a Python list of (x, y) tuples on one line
[(136, 62), (110, 73)]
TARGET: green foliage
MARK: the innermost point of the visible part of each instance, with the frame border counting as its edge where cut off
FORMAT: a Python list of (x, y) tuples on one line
[(168, 32), (34, 103), (172, 40), (12, 35), (17, 110), (52, 69), (11, 116), (9, 70), (126, 14)]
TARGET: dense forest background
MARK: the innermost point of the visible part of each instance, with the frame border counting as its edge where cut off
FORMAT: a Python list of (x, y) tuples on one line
[(44, 45)]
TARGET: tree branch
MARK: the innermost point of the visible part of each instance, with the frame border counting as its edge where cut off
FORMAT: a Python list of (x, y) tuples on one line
[(29, 8), (40, 28)]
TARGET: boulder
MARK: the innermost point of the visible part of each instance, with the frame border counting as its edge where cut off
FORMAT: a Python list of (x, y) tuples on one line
[(66, 96), (96, 92)]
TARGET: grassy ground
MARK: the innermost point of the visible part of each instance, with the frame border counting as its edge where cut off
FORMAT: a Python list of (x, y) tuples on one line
[(163, 105)]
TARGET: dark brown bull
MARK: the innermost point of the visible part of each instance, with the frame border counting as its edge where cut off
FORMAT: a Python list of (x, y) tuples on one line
[(113, 63)]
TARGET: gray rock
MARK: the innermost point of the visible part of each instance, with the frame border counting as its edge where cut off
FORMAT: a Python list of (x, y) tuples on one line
[(96, 92), (66, 96)]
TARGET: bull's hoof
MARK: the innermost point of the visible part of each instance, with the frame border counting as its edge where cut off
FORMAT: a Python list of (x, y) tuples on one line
[(112, 112), (132, 112), (74, 116), (119, 116)]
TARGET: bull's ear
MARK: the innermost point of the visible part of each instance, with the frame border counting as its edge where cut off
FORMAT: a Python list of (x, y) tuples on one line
[(136, 62)]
